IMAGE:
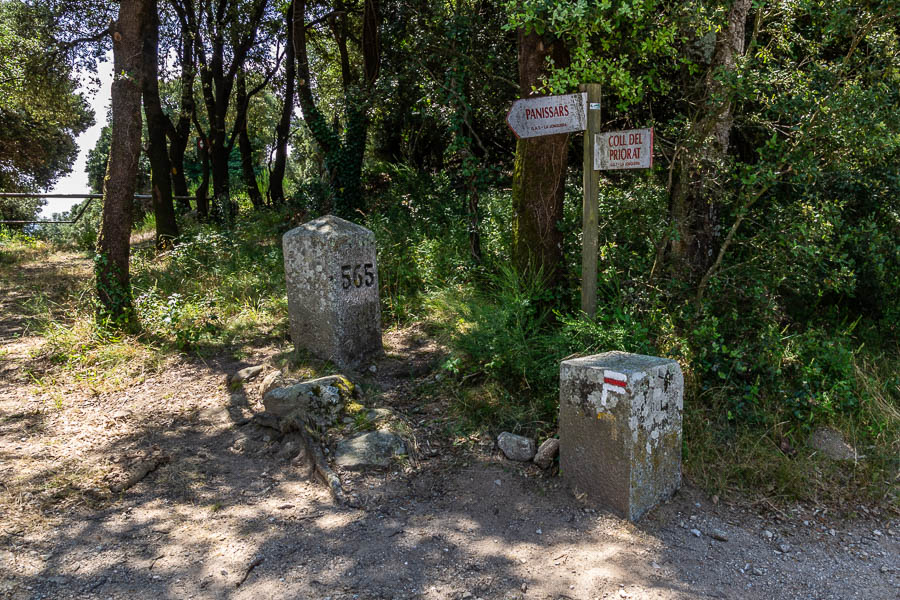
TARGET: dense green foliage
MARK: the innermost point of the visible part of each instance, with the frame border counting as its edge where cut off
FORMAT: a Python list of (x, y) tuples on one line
[(762, 250), (40, 113)]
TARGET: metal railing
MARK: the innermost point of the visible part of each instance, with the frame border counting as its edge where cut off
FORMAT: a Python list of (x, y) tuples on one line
[(90, 197)]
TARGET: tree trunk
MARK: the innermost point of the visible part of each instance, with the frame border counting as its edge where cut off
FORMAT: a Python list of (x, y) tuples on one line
[(111, 263), (179, 133), (283, 130), (343, 157), (693, 202), (203, 189), (246, 148), (202, 192), (539, 174), (157, 123)]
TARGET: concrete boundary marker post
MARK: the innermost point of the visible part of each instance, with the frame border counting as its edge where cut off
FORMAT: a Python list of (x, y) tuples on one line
[(620, 418), (332, 290)]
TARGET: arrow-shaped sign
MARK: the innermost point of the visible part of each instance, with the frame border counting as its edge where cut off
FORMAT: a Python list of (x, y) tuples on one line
[(548, 115)]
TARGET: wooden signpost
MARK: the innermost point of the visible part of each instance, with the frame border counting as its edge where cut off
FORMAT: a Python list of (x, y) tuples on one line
[(633, 149), (590, 204)]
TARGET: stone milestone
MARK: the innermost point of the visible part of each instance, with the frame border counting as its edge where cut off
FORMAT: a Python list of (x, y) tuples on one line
[(620, 429), (332, 290)]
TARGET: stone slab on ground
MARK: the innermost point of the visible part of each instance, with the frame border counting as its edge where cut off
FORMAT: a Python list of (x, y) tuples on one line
[(374, 449), (620, 429), (332, 290)]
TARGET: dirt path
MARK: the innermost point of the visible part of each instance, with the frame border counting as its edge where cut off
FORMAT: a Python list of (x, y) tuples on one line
[(225, 514)]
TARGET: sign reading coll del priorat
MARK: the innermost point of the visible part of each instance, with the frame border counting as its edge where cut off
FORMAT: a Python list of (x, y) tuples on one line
[(632, 149), (548, 115)]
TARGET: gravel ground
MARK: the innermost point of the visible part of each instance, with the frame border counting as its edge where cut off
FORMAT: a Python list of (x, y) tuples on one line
[(224, 512)]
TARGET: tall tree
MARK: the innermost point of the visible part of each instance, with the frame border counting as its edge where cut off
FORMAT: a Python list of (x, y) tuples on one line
[(179, 131), (244, 144), (283, 129), (343, 153), (111, 262), (695, 198), (224, 33), (540, 169), (157, 125)]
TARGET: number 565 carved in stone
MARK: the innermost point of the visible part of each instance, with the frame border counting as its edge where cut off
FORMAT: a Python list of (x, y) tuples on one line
[(367, 277)]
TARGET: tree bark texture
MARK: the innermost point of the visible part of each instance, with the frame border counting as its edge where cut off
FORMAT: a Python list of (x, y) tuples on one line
[(283, 130), (539, 173), (111, 263), (157, 123), (246, 148), (693, 201)]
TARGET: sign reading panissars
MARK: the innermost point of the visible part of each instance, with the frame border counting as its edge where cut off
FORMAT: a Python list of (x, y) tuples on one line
[(632, 149), (548, 115)]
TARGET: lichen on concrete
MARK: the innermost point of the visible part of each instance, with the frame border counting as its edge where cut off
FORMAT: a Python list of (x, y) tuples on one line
[(332, 288), (620, 429)]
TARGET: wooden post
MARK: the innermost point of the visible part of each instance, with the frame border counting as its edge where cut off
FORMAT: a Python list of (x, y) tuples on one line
[(591, 192)]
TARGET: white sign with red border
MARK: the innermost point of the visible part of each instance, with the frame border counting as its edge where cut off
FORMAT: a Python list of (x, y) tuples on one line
[(632, 149), (548, 115)]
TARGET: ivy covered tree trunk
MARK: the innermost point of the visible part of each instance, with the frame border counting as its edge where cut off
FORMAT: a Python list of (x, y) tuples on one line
[(539, 174), (343, 157), (693, 202), (283, 130), (157, 123), (111, 261)]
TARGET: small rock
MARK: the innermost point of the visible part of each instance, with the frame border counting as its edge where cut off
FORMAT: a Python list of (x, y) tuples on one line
[(516, 447), (784, 547), (696, 532), (373, 369), (288, 451), (768, 534), (270, 381), (319, 400), (832, 532), (718, 534), (466, 595), (380, 414), (757, 571), (374, 449), (831, 443), (498, 482), (538, 531), (246, 374), (877, 532), (546, 453)]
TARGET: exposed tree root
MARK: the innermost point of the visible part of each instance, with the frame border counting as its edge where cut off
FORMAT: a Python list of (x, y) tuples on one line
[(144, 468)]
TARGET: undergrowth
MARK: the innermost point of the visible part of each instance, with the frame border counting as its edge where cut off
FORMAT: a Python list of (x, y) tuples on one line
[(761, 374)]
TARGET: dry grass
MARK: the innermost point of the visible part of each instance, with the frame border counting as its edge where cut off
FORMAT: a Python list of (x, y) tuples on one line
[(772, 463)]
